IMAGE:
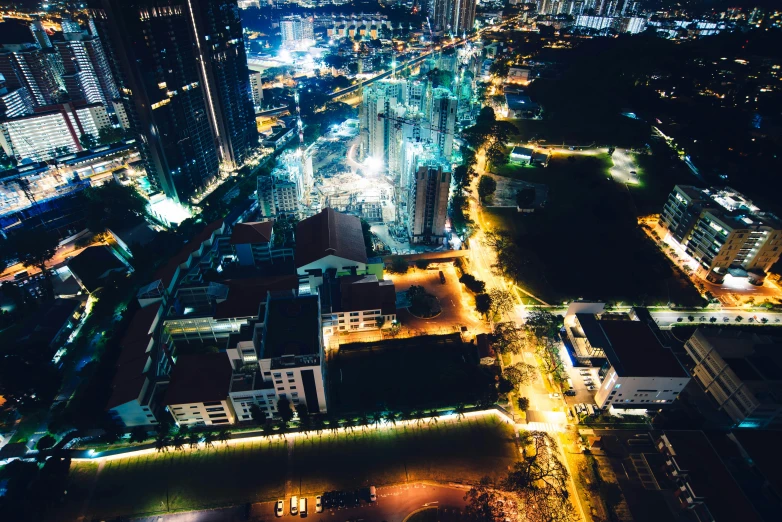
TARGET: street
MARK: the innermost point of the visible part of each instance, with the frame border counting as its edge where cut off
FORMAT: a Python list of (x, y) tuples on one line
[(394, 503)]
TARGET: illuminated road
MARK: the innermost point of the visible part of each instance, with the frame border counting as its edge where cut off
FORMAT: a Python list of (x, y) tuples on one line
[(393, 505), (624, 167), (68, 250)]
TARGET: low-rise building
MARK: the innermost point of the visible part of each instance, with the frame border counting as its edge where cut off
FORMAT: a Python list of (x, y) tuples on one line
[(742, 372), (93, 266), (638, 372), (277, 197), (252, 242), (356, 303), (521, 106), (198, 391)]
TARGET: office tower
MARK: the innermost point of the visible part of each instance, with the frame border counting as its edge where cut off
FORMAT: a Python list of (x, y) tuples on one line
[(442, 120), (256, 88), (427, 200), (13, 103), (182, 74), (297, 32), (87, 75), (723, 231), (27, 65)]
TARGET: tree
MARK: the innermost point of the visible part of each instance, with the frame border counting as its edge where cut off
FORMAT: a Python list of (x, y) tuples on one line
[(368, 245), (474, 285), (525, 197), (223, 436), (380, 321), (523, 403), (45, 442), (304, 415), (520, 373), (483, 304), (390, 417), (508, 338), (398, 265), (486, 504), (109, 135), (113, 205), (486, 187), (193, 439), (35, 247), (209, 439), (421, 264), (284, 410), (502, 301), (542, 323), (459, 410), (257, 414), (138, 434), (88, 141), (496, 155)]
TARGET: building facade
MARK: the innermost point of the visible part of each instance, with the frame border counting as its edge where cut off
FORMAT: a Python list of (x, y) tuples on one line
[(38, 70), (724, 232), (739, 370), (427, 200)]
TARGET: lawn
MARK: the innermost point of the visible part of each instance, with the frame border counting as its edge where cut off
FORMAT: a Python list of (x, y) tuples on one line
[(403, 373), (586, 242), (452, 451)]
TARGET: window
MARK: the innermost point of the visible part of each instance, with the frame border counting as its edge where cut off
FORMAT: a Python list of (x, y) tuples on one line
[(277, 382), (277, 375), (289, 374), (215, 409), (217, 415), (282, 388), (353, 314), (267, 373), (213, 403), (293, 387)]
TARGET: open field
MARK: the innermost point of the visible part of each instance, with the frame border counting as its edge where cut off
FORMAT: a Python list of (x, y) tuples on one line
[(586, 242), (400, 373), (449, 450)]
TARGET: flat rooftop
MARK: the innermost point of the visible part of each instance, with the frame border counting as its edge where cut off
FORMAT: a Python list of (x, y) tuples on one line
[(199, 378), (292, 327), (634, 351)]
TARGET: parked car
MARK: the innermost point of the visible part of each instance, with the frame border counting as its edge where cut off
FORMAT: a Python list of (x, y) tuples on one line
[(555, 395), (318, 504), (442, 277), (280, 509), (294, 505), (373, 489), (591, 388), (303, 506)]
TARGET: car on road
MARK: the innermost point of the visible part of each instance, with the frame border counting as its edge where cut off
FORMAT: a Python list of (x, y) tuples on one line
[(442, 277), (373, 490), (318, 504), (555, 395), (591, 388), (280, 509)]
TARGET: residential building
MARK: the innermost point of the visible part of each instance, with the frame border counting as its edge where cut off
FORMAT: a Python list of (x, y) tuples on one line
[(87, 75), (378, 110), (356, 303), (14, 103), (57, 131), (37, 70), (703, 486), (198, 391), (427, 200), (256, 88), (724, 232), (252, 242), (520, 106), (276, 197), (639, 372), (331, 240), (453, 16), (281, 356), (189, 100), (742, 372), (443, 119), (297, 32)]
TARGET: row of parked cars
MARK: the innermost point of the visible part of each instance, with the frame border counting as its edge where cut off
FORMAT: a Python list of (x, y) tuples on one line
[(586, 409), (329, 500)]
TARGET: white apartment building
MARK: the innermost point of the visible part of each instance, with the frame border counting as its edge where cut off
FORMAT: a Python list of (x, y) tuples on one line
[(742, 372), (198, 391), (15, 103), (297, 33), (639, 372), (256, 87), (356, 303), (427, 200), (277, 197)]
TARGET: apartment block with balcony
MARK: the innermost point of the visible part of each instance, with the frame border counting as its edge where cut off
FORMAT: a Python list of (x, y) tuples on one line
[(198, 391), (724, 232), (356, 303), (742, 372), (703, 487)]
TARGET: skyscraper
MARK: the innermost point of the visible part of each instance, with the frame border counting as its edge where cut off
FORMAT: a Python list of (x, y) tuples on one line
[(87, 75), (27, 65), (443, 119), (455, 16), (427, 200), (182, 74), (382, 98)]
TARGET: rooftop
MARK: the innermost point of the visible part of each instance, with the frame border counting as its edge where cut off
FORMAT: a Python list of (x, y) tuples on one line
[(709, 477), (255, 233), (167, 272), (634, 351), (292, 327), (199, 378), (329, 233), (245, 296), (357, 293), (92, 265)]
